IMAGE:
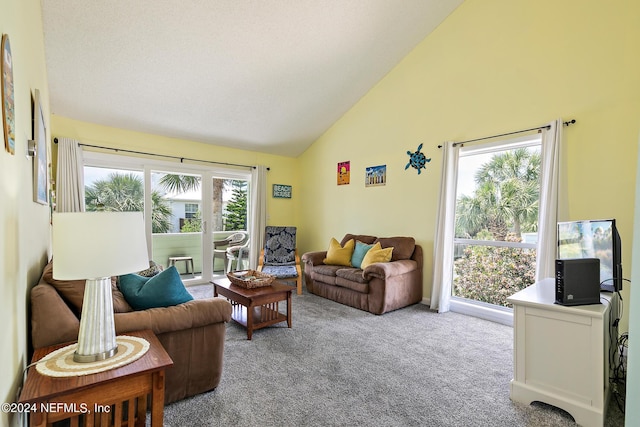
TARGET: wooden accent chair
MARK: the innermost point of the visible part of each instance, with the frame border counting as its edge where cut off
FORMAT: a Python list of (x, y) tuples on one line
[(279, 257)]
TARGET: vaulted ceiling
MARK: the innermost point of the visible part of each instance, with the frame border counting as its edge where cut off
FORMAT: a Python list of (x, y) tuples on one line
[(264, 75)]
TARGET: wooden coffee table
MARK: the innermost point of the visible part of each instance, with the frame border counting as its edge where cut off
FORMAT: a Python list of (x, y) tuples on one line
[(255, 308)]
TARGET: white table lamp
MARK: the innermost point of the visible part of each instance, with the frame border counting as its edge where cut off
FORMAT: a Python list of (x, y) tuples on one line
[(95, 246)]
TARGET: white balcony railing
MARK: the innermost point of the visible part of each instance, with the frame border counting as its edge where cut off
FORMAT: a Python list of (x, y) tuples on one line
[(165, 245)]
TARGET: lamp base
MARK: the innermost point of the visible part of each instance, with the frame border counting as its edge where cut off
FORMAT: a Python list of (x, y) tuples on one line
[(88, 358), (97, 334)]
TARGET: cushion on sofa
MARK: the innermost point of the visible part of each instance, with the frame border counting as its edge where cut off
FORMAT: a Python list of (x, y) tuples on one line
[(359, 251), (325, 273), (72, 291), (338, 254), (403, 247), (377, 254), (361, 237), (152, 270), (363, 288), (351, 274), (162, 290)]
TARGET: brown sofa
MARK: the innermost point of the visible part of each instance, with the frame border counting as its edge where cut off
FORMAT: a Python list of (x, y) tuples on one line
[(192, 333), (380, 287)]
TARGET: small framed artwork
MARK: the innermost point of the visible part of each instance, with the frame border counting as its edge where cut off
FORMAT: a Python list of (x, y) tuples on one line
[(40, 160), (376, 176), (8, 98), (281, 191), (344, 173)]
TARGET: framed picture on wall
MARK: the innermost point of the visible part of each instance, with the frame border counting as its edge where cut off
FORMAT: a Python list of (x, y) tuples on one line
[(281, 191), (8, 98), (40, 160), (344, 173), (376, 176)]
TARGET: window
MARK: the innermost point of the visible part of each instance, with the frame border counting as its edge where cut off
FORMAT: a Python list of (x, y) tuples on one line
[(186, 207), (191, 210), (496, 220)]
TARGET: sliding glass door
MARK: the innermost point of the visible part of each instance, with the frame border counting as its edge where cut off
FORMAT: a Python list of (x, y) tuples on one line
[(191, 212), (229, 223), (177, 222)]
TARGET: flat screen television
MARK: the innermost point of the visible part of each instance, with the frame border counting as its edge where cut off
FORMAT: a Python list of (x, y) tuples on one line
[(594, 239)]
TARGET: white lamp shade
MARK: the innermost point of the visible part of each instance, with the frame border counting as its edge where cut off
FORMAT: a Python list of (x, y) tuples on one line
[(98, 244)]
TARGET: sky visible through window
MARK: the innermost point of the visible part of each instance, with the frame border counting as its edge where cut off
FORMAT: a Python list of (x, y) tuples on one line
[(93, 174), (467, 167)]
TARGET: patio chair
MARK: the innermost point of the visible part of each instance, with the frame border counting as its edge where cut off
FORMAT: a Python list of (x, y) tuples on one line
[(279, 257), (238, 254), (220, 247)]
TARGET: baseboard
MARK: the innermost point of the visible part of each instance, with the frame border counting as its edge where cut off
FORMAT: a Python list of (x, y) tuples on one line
[(483, 311), (426, 301)]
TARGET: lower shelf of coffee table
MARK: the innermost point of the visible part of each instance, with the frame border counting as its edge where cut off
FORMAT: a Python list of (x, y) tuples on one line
[(264, 315)]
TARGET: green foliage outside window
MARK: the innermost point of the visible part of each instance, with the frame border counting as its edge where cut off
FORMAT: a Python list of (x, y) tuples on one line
[(193, 225), (124, 192), (235, 216), (491, 273)]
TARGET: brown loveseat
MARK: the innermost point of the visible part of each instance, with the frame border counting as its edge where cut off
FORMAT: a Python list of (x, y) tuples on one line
[(192, 333), (380, 287)]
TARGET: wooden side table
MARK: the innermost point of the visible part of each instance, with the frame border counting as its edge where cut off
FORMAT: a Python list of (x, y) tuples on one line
[(98, 398)]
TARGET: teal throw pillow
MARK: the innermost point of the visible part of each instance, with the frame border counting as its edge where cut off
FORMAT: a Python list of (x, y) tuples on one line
[(162, 290), (359, 252)]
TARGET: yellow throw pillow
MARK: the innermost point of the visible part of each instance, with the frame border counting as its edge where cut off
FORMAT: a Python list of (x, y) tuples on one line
[(339, 255), (376, 254)]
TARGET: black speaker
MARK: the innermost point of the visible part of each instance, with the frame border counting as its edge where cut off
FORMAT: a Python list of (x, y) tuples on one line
[(578, 281)]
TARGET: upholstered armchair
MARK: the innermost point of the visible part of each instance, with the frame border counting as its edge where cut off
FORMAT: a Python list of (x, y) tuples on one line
[(279, 257)]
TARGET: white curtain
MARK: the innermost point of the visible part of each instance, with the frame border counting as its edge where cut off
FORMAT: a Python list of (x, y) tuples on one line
[(548, 211), (70, 177), (258, 212), (445, 228)]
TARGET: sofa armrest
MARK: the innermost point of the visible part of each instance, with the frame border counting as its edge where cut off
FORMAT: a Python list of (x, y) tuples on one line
[(314, 258), (383, 270), (189, 315), (52, 321)]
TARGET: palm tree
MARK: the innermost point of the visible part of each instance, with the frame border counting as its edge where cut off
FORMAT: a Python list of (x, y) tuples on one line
[(184, 183), (506, 196), (125, 193)]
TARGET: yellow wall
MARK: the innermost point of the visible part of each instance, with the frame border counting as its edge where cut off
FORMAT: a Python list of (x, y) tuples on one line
[(24, 225), (283, 170), (493, 66)]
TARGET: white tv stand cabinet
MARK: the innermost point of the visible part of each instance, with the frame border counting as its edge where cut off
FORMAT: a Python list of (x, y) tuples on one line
[(561, 353)]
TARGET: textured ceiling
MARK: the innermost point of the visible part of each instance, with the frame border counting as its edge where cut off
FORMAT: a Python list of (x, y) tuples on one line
[(263, 75)]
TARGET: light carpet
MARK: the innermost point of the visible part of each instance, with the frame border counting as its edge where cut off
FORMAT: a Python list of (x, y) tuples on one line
[(339, 366)]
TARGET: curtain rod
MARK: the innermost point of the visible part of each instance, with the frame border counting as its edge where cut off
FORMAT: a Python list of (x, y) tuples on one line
[(569, 123), (182, 159)]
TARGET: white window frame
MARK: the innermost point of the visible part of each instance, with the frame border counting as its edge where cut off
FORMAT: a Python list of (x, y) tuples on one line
[(481, 309)]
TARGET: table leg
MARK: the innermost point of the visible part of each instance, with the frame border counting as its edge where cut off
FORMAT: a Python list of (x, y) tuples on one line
[(157, 399), (289, 309), (249, 322)]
